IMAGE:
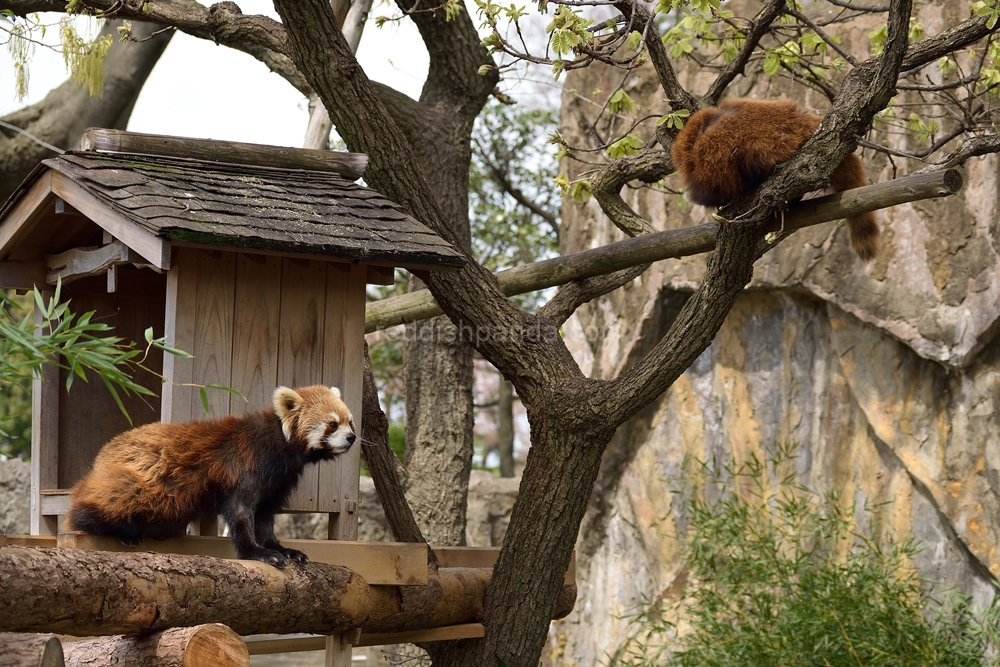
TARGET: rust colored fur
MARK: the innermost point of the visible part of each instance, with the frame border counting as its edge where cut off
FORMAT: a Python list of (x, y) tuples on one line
[(153, 480), (724, 153)]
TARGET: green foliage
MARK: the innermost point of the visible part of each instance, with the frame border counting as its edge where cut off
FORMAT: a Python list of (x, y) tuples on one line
[(73, 342), (85, 58), (627, 145), (513, 155), (991, 9), (620, 102), (674, 119), (781, 575), (922, 130)]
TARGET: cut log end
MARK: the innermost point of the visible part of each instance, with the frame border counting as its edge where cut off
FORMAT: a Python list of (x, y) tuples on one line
[(19, 649), (209, 645), (215, 645)]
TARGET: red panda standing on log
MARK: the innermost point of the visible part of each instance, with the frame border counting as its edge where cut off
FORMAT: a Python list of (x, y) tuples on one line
[(724, 153), (153, 480)]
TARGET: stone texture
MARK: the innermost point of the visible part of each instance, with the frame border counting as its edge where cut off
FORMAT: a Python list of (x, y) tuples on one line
[(15, 497)]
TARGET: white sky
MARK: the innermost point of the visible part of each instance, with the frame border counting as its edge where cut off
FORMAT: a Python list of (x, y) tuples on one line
[(198, 89)]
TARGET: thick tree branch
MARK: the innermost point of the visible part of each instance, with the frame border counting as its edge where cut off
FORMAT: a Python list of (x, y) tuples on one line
[(575, 294), (674, 243), (649, 167), (677, 97), (761, 24)]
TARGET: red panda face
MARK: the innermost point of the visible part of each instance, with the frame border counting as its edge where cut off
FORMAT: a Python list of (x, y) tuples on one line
[(316, 415)]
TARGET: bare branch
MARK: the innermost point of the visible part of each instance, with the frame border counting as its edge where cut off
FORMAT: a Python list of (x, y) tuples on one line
[(973, 147), (676, 95), (673, 243), (575, 294)]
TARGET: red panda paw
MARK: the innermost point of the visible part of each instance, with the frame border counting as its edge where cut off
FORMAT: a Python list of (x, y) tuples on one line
[(269, 556), (295, 555)]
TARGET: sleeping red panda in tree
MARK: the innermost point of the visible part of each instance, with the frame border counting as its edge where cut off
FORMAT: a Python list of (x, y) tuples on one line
[(153, 480), (724, 153)]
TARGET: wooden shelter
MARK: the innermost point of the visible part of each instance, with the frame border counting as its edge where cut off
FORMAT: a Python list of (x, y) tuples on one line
[(254, 259)]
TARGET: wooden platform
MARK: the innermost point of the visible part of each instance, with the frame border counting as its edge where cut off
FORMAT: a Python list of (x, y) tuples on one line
[(380, 563), (266, 644)]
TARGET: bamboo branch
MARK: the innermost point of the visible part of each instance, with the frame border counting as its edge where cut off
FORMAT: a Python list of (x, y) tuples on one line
[(671, 243)]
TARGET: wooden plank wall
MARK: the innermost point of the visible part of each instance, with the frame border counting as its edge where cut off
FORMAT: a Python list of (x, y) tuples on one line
[(297, 322), (88, 415)]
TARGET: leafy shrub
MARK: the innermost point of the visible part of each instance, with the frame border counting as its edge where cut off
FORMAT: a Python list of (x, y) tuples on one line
[(781, 575)]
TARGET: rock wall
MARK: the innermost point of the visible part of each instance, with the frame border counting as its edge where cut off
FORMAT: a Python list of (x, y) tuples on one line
[(15, 497), (887, 375)]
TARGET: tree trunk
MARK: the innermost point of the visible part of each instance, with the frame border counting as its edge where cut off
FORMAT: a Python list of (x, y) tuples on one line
[(505, 427), (68, 110), (56, 590), (211, 645), (439, 414), (22, 649)]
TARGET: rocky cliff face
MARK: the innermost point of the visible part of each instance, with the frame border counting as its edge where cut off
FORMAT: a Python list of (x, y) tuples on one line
[(886, 375)]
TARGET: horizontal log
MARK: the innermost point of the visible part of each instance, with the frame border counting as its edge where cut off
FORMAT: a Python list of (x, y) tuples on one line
[(671, 243), (94, 593), (349, 165), (210, 645), (20, 649), (380, 563)]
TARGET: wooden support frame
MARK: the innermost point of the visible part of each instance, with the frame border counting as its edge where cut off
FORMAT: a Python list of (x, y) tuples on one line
[(44, 438), (23, 217), (155, 249), (259, 645)]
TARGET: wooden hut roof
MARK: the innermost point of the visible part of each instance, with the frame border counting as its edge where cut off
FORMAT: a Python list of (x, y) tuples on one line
[(251, 206)]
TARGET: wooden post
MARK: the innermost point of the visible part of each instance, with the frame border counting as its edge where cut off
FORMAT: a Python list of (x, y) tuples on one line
[(44, 436)]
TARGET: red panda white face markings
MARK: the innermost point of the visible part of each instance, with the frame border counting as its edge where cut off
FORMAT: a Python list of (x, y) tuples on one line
[(317, 415)]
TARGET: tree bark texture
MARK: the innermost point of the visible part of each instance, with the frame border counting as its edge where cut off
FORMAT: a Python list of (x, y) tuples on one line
[(505, 427), (439, 416), (96, 593), (210, 645), (24, 649), (68, 110)]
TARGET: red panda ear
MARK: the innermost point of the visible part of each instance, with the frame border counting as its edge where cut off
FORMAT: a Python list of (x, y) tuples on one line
[(336, 392), (286, 401)]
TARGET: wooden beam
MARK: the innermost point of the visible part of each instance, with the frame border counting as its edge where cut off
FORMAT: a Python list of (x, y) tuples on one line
[(79, 263), (381, 275), (156, 250), (29, 541), (25, 214), (380, 563), (22, 275), (487, 557), (54, 502), (296, 643), (682, 242), (349, 165)]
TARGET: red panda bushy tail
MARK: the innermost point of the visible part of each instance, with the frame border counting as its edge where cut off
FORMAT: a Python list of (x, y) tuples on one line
[(863, 228)]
